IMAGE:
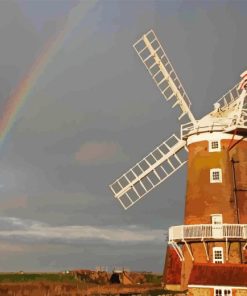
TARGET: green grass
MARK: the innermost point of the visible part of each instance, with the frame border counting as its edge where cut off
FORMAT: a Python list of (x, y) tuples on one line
[(30, 277)]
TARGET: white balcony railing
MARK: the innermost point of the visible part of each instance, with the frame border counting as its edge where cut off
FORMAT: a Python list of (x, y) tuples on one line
[(207, 232), (189, 128)]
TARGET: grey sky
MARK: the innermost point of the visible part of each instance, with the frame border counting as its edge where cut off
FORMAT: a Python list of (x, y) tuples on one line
[(94, 113)]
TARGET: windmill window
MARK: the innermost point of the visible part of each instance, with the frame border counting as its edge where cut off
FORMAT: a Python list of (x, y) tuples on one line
[(218, 255), (214, 146), (222, 292), (216, 218), (215, 176)]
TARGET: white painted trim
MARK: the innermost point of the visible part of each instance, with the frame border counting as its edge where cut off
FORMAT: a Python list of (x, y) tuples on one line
[(201, 232), (217, 287), (215, 136)]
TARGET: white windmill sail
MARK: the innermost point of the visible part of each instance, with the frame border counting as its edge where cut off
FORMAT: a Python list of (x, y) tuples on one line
[(235, 102), (153, 169), (229, 98), (156, 61), (229, 115)]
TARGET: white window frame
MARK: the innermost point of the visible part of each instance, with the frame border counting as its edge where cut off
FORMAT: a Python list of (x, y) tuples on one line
[(217, 226), (216, 290), (217, 219), (211, 148), (217, 260), (212, 172)]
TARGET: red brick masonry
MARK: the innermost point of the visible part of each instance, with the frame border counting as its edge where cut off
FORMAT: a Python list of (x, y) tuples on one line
[(172, 272)]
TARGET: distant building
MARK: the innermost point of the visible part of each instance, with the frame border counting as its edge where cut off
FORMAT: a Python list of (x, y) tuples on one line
[(121, 277)]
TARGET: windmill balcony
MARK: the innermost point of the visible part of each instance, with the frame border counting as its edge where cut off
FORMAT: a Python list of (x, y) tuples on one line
[(208, 232), (189, 128)]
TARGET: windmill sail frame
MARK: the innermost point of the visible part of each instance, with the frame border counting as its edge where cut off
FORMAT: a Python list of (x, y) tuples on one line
[(161, 70), (229, 115), (147, 174)]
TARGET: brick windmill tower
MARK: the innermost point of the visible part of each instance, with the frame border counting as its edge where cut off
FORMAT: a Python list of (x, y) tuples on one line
[(206, 255)]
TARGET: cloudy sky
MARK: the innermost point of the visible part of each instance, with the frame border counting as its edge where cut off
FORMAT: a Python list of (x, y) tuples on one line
[(91, 114)]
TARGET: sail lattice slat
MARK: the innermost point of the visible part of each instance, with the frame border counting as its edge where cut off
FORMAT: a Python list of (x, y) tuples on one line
[(230, 97), (160, 68), (153, 169)]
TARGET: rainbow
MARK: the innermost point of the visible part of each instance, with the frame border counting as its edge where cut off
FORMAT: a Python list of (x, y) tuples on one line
[(23, 89)]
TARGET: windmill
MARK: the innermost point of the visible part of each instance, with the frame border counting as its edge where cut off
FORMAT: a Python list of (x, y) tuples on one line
[(216, 143)]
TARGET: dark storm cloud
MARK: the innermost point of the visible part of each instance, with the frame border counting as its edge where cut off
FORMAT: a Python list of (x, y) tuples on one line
[(95, 112)]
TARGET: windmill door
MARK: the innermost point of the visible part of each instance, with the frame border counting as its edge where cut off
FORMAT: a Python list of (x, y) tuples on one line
[(217, 226)]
